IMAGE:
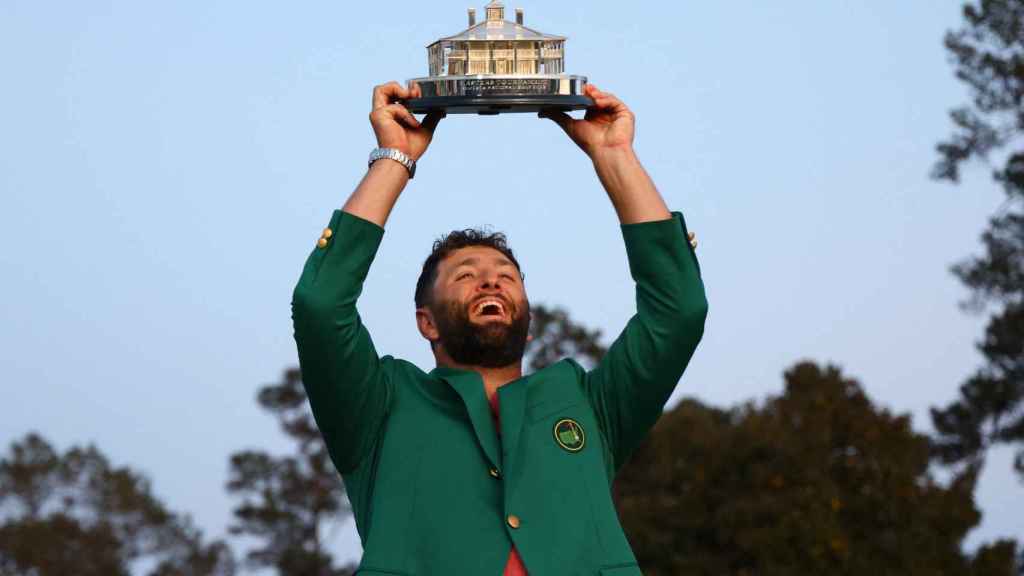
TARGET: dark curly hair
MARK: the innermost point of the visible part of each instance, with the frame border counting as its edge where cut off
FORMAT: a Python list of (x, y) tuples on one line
[(449, 243)]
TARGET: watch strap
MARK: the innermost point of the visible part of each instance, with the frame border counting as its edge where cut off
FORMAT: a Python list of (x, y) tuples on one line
[(396, 155)]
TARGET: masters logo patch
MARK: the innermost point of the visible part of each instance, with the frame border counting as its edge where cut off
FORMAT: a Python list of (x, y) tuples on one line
[(569, 434)]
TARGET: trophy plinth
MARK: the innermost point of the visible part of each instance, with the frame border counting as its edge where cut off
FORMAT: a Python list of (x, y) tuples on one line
[(498, 66), (495, 94)]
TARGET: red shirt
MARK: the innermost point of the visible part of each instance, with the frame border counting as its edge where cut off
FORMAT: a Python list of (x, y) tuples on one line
[(514, 566)]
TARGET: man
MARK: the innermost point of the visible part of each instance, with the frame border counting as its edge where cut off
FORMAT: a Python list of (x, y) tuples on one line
[(474, 468)]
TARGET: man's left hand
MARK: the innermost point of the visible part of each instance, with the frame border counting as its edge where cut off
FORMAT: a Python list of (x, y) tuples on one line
[(607, 125)]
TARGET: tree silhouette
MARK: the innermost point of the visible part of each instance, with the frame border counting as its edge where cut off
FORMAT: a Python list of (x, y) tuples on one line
[(816, 480), (289, 502), (74, 513), (988, 52), (554, 335)]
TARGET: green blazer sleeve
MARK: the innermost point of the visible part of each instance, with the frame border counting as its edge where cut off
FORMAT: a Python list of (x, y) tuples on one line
[(629, 387), (344, 378)]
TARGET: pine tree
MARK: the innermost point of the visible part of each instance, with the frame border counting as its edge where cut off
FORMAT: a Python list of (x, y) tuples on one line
[(988, 52)]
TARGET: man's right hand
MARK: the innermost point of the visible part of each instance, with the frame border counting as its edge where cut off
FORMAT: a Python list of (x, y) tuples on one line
[(395, 126)]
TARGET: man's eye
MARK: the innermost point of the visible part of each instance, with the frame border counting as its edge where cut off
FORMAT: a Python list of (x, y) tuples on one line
[(464, 275)]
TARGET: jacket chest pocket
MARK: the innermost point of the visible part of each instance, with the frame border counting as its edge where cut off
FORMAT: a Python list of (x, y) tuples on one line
[(564, 428)]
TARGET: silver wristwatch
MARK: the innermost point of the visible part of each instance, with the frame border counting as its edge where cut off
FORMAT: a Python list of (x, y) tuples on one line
[(397, 156)]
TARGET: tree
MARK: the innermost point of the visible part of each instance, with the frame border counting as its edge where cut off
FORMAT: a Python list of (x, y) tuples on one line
[(74, 513), (555, 336), (816, 480), (289, 502), (989, 57)]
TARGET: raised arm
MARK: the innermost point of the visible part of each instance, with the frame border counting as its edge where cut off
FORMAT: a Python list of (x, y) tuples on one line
[(394, 127), (629, 387), (606, 135), (346, 381)]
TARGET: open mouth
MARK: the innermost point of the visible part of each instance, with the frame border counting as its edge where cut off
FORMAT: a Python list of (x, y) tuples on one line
[(489, 308)]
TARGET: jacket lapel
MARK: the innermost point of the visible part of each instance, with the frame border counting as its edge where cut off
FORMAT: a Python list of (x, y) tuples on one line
[(470, 388), (512, 407)]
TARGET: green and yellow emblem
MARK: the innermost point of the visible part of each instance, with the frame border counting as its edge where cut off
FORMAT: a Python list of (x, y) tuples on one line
[(569, 435)]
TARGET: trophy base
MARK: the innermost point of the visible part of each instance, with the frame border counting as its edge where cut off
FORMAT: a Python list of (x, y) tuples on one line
[(496, 104), (497, 94)]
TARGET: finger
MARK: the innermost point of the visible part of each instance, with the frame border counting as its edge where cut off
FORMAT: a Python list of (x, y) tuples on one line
[(608, 102), (415, 91), (558, 117), (430, 122), (402, 115), (388, 93), (604, 99), (594, 92)]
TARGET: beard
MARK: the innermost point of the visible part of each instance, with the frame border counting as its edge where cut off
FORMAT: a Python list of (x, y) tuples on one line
[(491, 344)]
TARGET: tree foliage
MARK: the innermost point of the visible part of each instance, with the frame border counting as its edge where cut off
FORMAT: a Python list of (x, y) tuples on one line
[(816, 480), (555, 336), (74, 513), (988, 53), (288, 503)]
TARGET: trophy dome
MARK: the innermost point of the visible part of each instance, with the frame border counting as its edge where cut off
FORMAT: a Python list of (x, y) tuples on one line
[(496, 46)]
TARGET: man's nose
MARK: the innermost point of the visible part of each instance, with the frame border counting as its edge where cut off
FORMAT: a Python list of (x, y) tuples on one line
[(489, 280)]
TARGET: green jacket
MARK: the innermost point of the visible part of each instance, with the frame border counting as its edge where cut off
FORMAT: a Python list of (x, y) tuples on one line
[(434, 489)]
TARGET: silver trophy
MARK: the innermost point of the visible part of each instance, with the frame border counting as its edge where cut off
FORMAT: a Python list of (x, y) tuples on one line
[(497, 66)]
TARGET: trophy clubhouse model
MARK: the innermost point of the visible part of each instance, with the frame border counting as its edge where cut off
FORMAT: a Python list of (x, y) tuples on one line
[(498, 66)]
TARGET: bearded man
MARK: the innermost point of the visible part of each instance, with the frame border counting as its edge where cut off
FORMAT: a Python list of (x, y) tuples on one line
[(474, 468)]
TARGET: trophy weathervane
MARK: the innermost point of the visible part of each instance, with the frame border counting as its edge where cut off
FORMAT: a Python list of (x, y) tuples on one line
[(497, 66)]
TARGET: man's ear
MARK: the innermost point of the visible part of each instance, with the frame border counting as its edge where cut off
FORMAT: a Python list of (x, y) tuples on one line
[(425, 323)]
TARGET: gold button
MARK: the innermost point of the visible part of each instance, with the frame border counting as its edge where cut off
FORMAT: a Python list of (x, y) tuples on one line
[(328, 233), (494, 472), (513, 520), (321, 242)]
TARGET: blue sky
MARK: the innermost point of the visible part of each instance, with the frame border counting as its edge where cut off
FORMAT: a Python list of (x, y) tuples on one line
[(166, 168)]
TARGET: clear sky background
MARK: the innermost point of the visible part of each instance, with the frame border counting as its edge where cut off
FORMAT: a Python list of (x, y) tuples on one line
[(165, 169)]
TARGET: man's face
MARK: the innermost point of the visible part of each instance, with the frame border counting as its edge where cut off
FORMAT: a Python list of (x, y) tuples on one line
[(480, 308)]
